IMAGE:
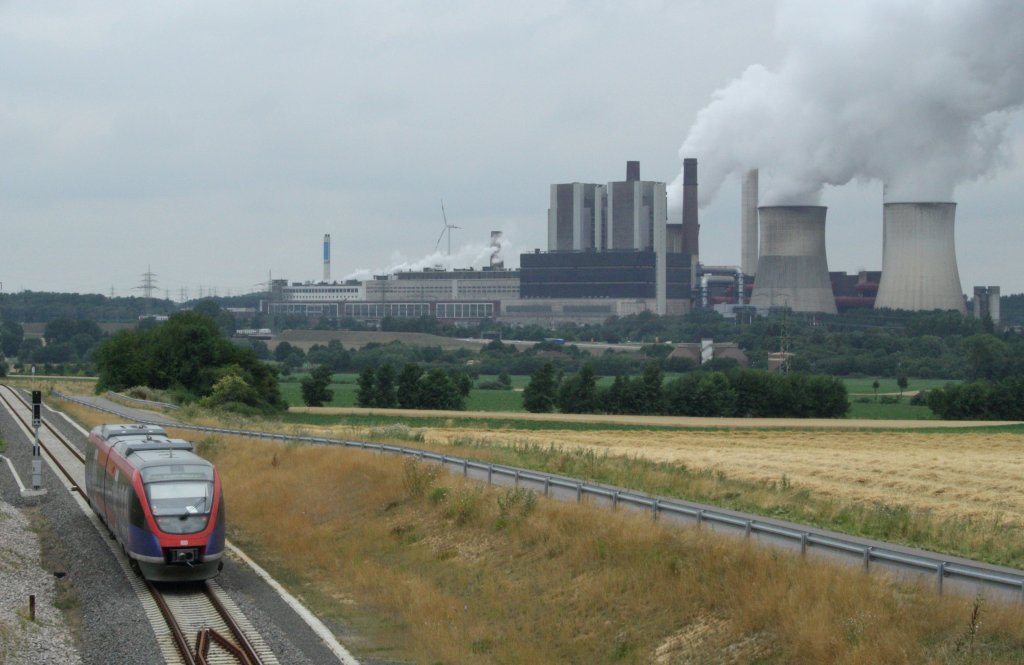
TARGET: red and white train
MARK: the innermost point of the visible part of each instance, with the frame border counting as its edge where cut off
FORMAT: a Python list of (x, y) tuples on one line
[(160, 500)]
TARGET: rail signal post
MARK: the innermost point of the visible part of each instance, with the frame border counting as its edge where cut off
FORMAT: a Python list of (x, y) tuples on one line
[(37, 420)]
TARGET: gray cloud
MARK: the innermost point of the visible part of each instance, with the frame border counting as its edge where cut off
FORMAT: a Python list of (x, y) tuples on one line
[(218, 142)]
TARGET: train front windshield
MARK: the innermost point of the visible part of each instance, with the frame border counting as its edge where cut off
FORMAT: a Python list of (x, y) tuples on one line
[(181, 506)]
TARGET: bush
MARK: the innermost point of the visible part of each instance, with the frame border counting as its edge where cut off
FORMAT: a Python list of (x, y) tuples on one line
[(315, 391), (464, 505), (539, 394), (979, 400), (515, 504), (419, 477)]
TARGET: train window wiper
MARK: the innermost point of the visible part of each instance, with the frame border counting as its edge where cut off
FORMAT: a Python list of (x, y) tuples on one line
[(194, 508)]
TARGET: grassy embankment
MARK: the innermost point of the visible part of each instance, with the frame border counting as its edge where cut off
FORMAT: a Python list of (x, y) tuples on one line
[(420, 565), (791, 487), (901, 486)]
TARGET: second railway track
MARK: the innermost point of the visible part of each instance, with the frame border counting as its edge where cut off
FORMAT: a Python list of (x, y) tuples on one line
[(195, 624)]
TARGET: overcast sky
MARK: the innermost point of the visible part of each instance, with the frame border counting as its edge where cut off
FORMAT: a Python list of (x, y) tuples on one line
[(216, 142)]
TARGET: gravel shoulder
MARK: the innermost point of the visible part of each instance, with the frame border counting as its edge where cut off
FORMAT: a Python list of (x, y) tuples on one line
[(102, 621), (96, 600)]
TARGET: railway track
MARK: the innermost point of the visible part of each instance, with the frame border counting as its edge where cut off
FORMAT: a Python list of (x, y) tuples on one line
[(64, 454), (195, 624)]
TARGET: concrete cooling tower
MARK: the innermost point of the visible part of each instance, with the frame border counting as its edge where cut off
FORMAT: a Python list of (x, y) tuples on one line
[(792, 270), (919, 270)]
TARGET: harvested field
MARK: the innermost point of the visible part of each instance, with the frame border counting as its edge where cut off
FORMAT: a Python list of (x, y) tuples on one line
[(978, 475)]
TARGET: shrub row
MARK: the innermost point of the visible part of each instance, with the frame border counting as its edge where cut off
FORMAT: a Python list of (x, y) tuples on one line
[(739, 393)]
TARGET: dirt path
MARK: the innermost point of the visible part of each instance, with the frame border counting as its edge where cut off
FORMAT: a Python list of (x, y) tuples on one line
[(667, 421)]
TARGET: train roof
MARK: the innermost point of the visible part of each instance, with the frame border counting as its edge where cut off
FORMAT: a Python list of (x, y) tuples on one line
[(146, 446), (132, 429)]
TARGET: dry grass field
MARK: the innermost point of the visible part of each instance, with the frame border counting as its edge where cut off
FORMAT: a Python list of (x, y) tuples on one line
[(975, 475), (418, 565)]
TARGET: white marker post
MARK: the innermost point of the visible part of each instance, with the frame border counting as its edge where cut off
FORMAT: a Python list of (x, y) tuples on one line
[(37, 460)]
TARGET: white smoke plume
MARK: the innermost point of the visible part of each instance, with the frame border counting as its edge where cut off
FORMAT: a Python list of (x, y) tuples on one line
[(912, 93), (474, 255)]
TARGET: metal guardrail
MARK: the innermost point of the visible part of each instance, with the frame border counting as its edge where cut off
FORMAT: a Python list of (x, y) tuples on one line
[(922, 562), (147, 402)]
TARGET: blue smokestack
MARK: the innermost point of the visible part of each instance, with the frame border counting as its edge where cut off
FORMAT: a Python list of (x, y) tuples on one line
[(327, 257)]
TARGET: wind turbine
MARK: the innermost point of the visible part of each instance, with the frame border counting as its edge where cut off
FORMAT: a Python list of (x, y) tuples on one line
[(447, 229)]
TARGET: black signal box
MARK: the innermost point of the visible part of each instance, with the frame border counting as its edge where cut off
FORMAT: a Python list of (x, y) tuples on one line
[(37, 407)]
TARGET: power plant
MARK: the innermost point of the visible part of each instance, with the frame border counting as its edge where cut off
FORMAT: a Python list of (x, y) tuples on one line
[(612, 251), (792, 270), (919, 271)]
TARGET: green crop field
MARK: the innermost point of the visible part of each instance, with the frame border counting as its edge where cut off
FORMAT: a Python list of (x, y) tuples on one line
[(863, 386), (879, 411), (344, 387)]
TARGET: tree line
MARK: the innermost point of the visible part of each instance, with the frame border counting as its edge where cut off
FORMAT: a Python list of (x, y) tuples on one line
[(979, 400), (188, 356), (412, 387), (738, 393)]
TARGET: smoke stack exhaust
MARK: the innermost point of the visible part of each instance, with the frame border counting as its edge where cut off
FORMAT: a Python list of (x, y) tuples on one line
[(327, 257), (748, 224), (496, 261), (919, 271), (691, 228), (792, 269)]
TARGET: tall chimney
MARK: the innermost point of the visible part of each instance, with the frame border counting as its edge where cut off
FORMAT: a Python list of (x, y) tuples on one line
[(691, 229), (632, 171), (327, 257), (792, 269), (993, 303), (496, 261), (748, 224), (919, 271)]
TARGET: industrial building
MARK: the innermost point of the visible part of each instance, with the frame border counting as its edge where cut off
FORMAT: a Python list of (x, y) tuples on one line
[(460, 295), (986, 303), (576, 217), (612, 251)]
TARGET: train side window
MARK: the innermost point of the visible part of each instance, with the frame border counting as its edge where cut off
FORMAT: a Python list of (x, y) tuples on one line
[(136, 516)]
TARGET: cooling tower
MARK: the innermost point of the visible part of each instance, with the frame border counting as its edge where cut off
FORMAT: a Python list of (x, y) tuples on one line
[(792, 270), (919, 270)]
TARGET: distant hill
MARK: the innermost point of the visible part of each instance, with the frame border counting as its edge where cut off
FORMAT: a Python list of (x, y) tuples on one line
[(43, 307)]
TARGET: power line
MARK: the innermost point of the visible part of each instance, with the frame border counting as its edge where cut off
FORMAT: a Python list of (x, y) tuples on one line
[(148, 282)]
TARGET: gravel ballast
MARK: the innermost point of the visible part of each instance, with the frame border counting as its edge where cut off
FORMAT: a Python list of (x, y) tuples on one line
[(46, 638), (104, 621)]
